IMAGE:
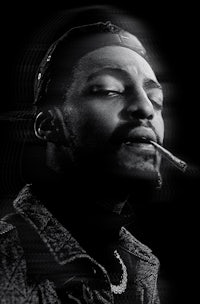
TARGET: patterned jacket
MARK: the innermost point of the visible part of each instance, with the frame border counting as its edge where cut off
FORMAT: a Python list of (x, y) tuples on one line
[(64, 254)]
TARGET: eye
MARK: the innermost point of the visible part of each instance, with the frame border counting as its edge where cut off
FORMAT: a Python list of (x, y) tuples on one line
[(105, 93), (109, 93), (157, 101), (158, 105)]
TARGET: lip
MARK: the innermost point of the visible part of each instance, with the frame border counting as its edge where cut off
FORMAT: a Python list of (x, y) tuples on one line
[(140, 135)]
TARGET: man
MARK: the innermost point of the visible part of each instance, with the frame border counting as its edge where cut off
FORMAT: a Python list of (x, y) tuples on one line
[(99, 108)]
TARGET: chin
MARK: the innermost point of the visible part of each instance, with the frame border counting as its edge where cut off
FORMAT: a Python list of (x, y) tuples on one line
[(143, 172), (141, 167)]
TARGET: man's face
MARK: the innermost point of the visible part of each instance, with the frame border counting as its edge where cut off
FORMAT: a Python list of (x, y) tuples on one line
[(114, 102)]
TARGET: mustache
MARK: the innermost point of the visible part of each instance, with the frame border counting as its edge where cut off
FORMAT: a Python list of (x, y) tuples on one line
[(122, 131)]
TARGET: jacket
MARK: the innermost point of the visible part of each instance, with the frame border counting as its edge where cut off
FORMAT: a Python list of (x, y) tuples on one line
[(65, 255)]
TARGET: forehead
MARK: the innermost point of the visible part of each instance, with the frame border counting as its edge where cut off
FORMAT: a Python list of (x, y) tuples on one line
[(115, 57)]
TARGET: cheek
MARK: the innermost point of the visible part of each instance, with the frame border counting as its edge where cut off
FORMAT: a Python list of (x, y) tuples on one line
[(98, 119), (104, 115)]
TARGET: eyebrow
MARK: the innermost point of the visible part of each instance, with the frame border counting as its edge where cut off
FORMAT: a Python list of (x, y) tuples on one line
[(151, 84), (148, 83), (106, 69)]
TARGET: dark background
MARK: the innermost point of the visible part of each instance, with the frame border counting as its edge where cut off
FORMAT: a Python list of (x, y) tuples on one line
[(170, 224)]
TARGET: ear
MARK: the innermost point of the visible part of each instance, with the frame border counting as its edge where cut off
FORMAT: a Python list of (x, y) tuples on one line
[(48, 126)]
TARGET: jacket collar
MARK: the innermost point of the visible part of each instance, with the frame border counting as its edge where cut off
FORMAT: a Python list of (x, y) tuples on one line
[(61, 243)]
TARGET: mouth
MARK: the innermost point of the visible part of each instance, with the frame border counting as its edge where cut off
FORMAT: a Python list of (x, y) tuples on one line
[(139, 145), (138, 140), (142, 136)]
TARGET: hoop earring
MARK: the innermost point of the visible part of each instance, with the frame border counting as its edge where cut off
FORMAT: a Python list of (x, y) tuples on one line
[(37, 131)]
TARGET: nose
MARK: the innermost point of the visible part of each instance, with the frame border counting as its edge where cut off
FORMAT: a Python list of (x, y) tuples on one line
[(139, 106)]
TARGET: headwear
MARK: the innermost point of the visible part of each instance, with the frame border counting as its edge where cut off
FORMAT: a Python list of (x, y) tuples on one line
[(73, 45)]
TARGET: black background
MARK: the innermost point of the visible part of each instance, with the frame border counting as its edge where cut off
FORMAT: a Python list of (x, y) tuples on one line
[(171, 224)]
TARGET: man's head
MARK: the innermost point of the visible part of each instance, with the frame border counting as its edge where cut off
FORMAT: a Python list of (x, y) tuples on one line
[(99, 103)]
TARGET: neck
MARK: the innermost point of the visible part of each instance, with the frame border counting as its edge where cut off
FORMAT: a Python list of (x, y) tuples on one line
[(94, 199), (93, 210)]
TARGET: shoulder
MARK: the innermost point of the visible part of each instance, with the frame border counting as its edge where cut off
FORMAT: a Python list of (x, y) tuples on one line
[(5, 228), (8, 235), (15, 287), (12, 263), (9, 240)]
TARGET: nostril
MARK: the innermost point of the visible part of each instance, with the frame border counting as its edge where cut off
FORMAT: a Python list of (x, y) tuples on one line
[(140, 107), (141, 113), (150, 117)]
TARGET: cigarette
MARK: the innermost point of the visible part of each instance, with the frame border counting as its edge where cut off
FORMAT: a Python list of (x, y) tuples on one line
[(180, 164)]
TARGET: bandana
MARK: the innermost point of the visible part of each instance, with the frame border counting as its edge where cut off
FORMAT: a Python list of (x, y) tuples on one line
[(73, 45)]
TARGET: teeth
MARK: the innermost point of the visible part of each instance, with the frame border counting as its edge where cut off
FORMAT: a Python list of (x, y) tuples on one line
[(144, 138), (137, 140), (130, 143)]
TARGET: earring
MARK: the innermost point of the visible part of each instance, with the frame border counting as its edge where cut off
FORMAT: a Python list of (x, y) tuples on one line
[(39, 132), (158, 181)]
